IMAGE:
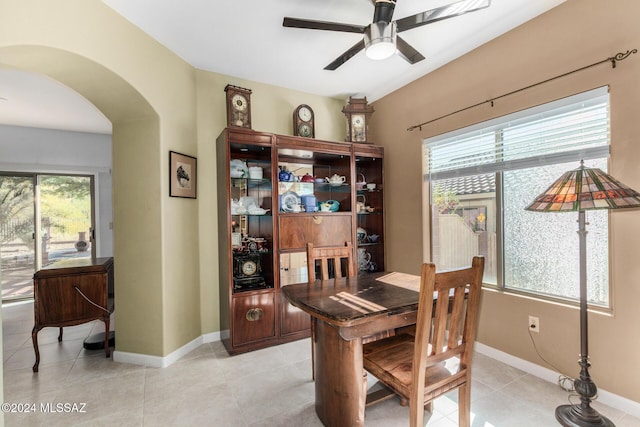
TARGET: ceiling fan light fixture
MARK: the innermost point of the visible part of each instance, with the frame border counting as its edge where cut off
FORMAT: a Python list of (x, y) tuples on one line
[(380, 40)]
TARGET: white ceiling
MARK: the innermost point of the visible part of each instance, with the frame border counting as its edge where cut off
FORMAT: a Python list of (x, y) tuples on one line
[(35, 100), (246, 39)]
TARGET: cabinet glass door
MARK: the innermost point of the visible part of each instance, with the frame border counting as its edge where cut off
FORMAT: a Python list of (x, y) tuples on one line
[(370, 214), (250, 198), (319, 184)]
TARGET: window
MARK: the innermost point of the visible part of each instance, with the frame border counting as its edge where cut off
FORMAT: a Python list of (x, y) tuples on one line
[(481, 178)]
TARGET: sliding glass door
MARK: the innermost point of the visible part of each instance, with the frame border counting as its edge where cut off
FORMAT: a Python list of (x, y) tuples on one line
[(17, 232), (43, 219)]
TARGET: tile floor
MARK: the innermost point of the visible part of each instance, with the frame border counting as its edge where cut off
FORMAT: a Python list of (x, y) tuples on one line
[(270, 387)]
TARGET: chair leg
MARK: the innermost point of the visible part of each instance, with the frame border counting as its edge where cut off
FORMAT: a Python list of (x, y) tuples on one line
[(416, 413), (464, 405), (429, 406)]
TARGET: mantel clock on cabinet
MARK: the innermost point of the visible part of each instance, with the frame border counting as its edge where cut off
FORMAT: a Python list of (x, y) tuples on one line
[(238, 106), (358, 113), (304, 122)]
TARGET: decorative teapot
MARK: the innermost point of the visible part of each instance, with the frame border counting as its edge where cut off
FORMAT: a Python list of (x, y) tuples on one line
[(336, 179), (307, 178), (285, 176)]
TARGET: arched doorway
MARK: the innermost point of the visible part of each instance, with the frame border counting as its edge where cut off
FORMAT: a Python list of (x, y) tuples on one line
[(136, 201)]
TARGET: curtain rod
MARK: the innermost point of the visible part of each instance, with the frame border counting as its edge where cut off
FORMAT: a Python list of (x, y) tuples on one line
[(617, 57)]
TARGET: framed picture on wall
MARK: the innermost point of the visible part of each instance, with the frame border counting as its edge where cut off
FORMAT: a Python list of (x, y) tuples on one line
[(182, 175)]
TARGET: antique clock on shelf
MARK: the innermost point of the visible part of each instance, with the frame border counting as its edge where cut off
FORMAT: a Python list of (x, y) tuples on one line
[(304, 121), (247, 272), (238, 106), (357, 112)]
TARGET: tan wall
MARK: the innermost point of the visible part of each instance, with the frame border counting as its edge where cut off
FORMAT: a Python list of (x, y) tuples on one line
[(165, 248), (575, 34), (88, 47)]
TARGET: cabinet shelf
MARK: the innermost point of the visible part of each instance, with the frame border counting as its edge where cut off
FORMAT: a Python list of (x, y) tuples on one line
[(251, 215), (319, 186), (251, 183), (369, 243), (316, 213)]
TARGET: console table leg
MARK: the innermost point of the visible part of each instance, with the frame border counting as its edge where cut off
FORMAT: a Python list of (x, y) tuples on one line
[(34, 338), (107, 349), (60, 336)]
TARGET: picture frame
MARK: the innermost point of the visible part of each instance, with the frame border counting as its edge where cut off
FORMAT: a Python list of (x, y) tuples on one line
[(183, 176)]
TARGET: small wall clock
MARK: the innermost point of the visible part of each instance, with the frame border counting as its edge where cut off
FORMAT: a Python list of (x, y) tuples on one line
[(304, 121), (358, 112), (238, 106)]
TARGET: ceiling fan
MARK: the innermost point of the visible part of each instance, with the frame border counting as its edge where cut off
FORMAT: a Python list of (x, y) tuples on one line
[(381, 39)]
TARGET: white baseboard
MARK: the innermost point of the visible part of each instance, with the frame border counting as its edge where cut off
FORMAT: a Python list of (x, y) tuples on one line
[(621, 403), (168, 360), (211, 337)]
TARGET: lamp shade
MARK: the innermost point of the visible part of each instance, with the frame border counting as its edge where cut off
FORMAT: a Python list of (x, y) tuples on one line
[(585, 189), (380, 40)]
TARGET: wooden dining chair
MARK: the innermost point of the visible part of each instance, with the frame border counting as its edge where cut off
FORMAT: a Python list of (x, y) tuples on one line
[(334, 262), (420, 370)]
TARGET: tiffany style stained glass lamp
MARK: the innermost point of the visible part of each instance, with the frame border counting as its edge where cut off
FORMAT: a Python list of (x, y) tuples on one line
[(580, 190)]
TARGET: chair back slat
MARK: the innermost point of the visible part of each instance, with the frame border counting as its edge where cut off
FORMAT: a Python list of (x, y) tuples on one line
[(456, 319), (330, 256), (439, 322)]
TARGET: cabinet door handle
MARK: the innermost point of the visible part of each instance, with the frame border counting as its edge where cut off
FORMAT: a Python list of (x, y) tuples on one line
[(254, 314)]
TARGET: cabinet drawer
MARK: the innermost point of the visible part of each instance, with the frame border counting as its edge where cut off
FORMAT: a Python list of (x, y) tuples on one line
[(57, 301), (253, 318), (296, 230)]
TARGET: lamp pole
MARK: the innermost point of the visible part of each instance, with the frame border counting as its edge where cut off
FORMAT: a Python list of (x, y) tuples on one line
[(583, 415)]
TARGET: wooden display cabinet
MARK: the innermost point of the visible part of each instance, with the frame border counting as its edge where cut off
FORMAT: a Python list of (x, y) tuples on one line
[(262, 253)]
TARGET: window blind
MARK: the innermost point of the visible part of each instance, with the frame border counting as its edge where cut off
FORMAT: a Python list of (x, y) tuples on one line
[(569, 129)]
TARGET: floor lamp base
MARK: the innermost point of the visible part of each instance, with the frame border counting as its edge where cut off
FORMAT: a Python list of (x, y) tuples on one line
[(578, 416)]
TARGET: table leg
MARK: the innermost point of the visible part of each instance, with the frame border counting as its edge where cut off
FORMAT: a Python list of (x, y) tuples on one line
[(340, 393), (34, 338), (107, 348)]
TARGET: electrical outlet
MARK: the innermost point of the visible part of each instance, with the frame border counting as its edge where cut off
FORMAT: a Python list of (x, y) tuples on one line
[(534, 324)]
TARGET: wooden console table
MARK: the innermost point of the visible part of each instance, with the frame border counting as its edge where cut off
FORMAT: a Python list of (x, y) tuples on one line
[(71, 292)]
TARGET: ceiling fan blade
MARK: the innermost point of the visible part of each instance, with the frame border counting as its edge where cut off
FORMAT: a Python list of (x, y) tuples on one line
[(322, 25), (346, 56), (407, 51), (440, 13)]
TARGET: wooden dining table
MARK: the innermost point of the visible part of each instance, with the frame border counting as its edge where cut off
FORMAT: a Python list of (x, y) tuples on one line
[(346, 310)]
